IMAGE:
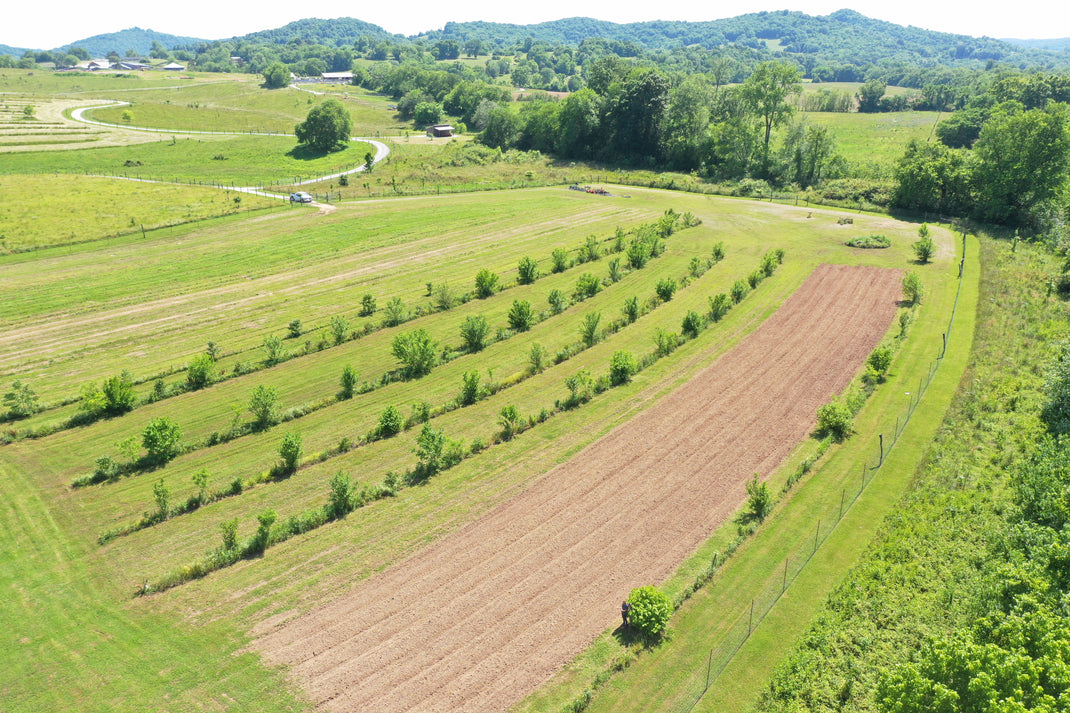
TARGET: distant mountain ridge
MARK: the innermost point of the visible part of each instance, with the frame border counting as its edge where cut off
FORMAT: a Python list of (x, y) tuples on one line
[(134, 40), (842, 37)]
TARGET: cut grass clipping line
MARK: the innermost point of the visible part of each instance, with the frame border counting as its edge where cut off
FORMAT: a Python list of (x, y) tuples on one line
[(694, 675)]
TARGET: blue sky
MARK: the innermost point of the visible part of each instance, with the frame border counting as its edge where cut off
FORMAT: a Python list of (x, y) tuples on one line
[(43, 25)]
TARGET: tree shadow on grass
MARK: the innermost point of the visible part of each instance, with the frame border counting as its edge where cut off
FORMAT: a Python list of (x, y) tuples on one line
[(304, 152)]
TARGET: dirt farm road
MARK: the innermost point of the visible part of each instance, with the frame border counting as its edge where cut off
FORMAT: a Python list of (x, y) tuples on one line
[(480, 618)]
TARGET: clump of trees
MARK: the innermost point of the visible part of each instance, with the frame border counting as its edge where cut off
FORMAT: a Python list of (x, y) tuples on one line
[(327, 127)]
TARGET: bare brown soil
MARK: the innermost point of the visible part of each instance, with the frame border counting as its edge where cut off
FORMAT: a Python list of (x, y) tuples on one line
[(480, 618)]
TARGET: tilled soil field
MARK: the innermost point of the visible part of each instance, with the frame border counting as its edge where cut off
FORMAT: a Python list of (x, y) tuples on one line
[(480, 618)]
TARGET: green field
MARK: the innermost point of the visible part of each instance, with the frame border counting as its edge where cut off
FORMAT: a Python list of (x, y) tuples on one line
[(256, 292), (876, 139), (104, 276), (42, 211), (230, 160)]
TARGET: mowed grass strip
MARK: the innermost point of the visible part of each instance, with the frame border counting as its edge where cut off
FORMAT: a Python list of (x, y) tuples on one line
[(209, 160), (42, 211), (240, 105), (153, 304)]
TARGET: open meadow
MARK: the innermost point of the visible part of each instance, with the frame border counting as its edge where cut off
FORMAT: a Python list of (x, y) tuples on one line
[(405, 451)]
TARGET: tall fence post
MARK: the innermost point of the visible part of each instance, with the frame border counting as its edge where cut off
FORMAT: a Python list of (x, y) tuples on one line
[(882, 451)]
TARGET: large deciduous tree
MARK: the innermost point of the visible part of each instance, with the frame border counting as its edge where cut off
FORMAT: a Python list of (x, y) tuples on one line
[(1023, 158), (326, 128), (766, 92), (276, 75)]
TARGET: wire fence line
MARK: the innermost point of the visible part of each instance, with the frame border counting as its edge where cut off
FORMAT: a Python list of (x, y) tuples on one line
[(747, 620)]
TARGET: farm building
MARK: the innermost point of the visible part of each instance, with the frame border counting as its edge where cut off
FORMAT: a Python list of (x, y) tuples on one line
[(440, 130), (174, 67), (337, 77)]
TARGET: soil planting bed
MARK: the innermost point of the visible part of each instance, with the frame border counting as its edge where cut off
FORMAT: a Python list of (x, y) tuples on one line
[(480, 618)]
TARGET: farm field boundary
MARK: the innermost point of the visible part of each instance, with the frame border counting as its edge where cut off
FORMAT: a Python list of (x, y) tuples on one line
[(461, 620)]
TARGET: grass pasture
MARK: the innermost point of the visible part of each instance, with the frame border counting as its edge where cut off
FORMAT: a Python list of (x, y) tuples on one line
[(877, 139), (230, 160), (150, 303), (43, 211), (241, 105)]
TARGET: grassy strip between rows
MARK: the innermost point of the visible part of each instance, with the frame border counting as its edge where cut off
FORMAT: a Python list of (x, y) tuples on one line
[(709, 585), (472, 392), (435, 452), (643, 246)]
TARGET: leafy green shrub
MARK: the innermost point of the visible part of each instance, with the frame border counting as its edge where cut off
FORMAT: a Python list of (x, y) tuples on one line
[(1056, 411), (416, 351), (559, 261), (590, 251), (470, 388), (759, 504), (229, 531), (558, 301), (834, 419), (692, 324), (394, 312), (589, 328), (580, 386), (367, 305), (521, 318), (293, 329), (638, 253), (739, 291), (869, 242), (509, 420), (272, 350), (339, 329), (924, 249), (622, 367), (340, 497), (755, 278), (719, 306), (474, 331), (486, 283), (536, 358), (718, 252), (420, 413), (162, 496), (264, 405), (430, 445), (615, 272), (665, 342), (527, 270), (199, 371), (880, 359), (348, 382), (390, 422), (21, 401), (262, 538), (587, 286), (161, 438), (913, 290), (923, 231), (290, 452), (631, 309), (650, 610), (665, 289)]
